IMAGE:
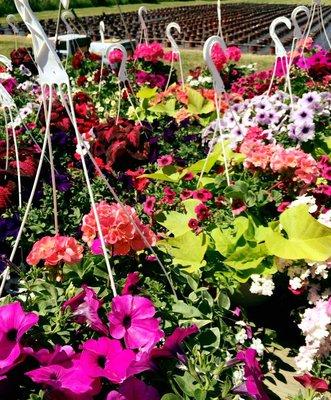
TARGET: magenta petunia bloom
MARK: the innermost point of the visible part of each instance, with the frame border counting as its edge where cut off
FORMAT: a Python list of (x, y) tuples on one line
[(131, 282), (252, 386), (132, 318), (134, 389), (14, 323), (85, 307), (172, 345), (74, 382), (106, 358), (61, 355)]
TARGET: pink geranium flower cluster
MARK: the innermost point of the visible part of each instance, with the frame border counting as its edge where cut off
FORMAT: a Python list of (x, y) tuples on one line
[(295, 163), (252, 85), (220, 58), (55, 249), (126, 346), (121, 228), (151, 52)]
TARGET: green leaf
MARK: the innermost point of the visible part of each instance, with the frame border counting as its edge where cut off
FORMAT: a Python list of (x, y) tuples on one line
[(169, 108), (171, 396), (247, 257), (186, 383), (306, 237), (197, 104), (212, 159), (186, 310), (187, 250), (146, 92), (177, 223)]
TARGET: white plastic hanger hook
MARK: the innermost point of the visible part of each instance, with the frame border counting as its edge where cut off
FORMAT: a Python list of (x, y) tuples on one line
[(144, 33), (102, 30), (65, 16), (65, 4), (5, 61), (11, 21), (174, 46), (279, 48), (297, 34), (207, 49)]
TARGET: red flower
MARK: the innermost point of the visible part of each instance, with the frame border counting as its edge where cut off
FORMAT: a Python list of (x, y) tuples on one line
[(81, 80), (77, 60), (202, 212), (310, 381), (203, 195), (193, 224), (5, 193)]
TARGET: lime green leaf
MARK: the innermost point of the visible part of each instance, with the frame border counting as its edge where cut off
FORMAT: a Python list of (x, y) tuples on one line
[(306, 237), (197, 104), (247, 257), (187, 250), (146, 92), (169, 108), (168, 174), (212, 159), (177, 223)]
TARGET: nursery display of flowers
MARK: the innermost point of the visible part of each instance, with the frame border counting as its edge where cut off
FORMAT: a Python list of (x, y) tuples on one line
[(186, 251)]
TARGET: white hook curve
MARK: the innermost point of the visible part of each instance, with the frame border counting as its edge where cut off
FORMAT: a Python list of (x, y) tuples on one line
[(5, 60), (143, 25), (174, 46), (297, 34), (207, 48), (65, 16), (11, 21), (279, 48), (102, 30)]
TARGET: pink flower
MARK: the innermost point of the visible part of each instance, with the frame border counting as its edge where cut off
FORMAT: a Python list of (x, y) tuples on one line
[(115, 56), (54, 249), (233, 53), (170, 56), (253, 375), (149, 205), (106, 358), (119, 226), (85, 307), (189, 176), (14, 323), (283, 206), (186, 194), (172, 345), (203, 195), (96, 247), (324, 166), (72, 382), (131, 282), (309, 381), (132, 318), (193, 224), (218, 56), (238, 206), (169, 195), (149, 52), (202, 212), (61, 355), (134, 389), (163, 161)]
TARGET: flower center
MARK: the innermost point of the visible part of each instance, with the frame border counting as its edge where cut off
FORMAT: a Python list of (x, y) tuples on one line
[(12, 335), (127, 322), (53, 376), (101, 361)]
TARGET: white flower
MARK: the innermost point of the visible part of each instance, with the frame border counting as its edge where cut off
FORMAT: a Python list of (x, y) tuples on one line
[(271, 367), (309, 200), (295, 283), (325, 218), (262, 285), (194, 83), (241, 336), (258, 346), (238, 377)]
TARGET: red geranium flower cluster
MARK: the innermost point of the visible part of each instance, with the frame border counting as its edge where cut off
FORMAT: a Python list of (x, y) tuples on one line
[(253, 85)]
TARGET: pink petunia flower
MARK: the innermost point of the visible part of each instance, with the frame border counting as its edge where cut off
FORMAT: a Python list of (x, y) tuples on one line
[(172, 345), (203, 195), (14, 323), (131, 282), (151, 52), (134, 389), (106, 358), (132, 319), (164, 161), (169, 195), (149, 205), (85, 307), (72, 382), (202, 212)]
